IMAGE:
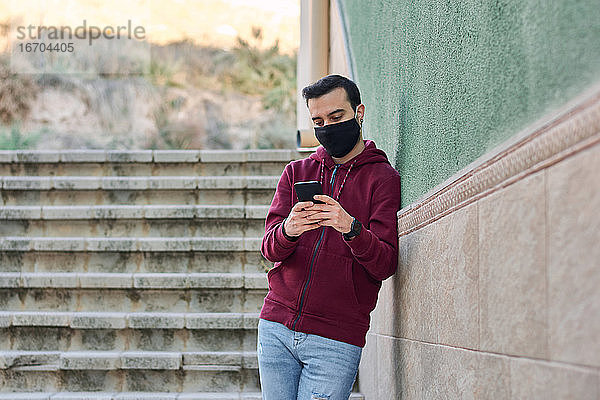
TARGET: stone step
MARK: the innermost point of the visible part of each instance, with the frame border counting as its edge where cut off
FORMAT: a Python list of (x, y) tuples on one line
[(154, 228), (128, 244), (114, 221), (86, 156), (225, 168), (148, 360), (141, 396), (13, 183), (112, 261), (125, 292), (146, 156), (134, 396), (232, 196), (129, 212), (142, 190), (87, 339), (133, 320), (48, 379), (137, 280), (202, 300), (139, 163)]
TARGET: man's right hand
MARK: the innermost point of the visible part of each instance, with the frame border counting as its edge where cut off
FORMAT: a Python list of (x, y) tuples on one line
[(297, 223)]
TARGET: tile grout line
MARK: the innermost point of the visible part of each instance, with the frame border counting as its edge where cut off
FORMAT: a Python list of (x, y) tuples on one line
[(478, 277), (547, 259), (587, 368)]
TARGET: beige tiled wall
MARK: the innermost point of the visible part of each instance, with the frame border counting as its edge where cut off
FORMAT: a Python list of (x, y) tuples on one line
[(498, 300)]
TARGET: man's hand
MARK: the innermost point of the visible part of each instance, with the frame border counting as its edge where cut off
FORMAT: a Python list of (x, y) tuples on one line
[(298, 221), (331, 214)]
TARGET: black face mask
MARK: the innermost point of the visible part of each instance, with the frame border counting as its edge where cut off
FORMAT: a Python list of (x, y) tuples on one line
[(338, 139)]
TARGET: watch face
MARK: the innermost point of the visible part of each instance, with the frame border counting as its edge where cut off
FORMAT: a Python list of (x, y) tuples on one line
[(356, 227)]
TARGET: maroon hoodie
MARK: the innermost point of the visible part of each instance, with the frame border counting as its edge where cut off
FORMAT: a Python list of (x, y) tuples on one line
[(321, 283)]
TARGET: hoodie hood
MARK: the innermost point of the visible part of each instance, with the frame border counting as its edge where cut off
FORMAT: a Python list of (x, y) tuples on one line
[(371, 154)]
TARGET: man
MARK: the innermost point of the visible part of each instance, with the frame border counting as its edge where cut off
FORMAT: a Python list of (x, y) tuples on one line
[(329, 258)]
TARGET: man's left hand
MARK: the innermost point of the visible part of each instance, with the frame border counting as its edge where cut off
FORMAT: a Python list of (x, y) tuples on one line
[(332, 214)]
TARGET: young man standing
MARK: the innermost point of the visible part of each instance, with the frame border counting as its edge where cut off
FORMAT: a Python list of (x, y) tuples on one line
[(331, 258)]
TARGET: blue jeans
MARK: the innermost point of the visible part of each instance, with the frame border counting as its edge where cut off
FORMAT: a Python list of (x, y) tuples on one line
[(302, 366)]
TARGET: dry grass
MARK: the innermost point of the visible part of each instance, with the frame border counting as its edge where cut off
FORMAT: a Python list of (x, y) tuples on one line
[(184, 96), (16, 92)]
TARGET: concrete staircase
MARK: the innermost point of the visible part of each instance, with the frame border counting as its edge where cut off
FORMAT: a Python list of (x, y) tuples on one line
[(133, 275)]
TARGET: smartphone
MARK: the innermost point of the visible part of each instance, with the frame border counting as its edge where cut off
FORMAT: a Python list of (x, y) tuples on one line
[(306, 190)]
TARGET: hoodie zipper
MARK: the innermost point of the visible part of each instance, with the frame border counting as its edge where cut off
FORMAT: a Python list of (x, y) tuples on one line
[(314, 255)]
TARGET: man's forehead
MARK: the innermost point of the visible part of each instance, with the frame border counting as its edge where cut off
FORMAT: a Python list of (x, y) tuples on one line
[(334, 100)]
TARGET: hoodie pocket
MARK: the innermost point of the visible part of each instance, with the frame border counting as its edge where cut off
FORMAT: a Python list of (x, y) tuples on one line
[(331, 291), (287, 277)]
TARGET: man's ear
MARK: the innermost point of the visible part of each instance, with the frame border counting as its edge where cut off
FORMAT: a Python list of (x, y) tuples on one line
[(360, 112)]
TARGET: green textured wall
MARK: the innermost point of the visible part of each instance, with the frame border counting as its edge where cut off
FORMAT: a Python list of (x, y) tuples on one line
[(446, 81)]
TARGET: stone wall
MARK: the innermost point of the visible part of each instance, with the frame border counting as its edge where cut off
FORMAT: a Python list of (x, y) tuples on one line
[(497, 294)]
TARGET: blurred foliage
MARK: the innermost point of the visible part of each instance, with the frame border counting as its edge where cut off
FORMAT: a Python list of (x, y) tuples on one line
[(187, 64), (13, 139), (276, 134), (264, 72), (250, 68), (16, 91), (162, 74)]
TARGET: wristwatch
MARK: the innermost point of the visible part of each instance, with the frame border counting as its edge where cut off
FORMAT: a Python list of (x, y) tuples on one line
[(354, 230)]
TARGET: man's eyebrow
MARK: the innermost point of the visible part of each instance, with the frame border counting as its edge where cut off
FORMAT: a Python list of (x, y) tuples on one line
[(330, 114)]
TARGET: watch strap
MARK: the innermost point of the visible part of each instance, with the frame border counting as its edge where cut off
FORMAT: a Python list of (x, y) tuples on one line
[(355, 229)]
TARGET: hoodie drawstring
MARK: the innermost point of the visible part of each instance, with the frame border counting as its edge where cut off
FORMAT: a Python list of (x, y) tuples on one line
[(343, 182), (322, 166)]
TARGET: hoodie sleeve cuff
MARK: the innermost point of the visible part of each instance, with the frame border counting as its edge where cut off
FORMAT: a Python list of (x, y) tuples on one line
[(361, 243), (283, 239)]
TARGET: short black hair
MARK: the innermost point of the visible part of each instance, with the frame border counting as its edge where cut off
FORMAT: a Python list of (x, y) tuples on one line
[(330, 82)]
